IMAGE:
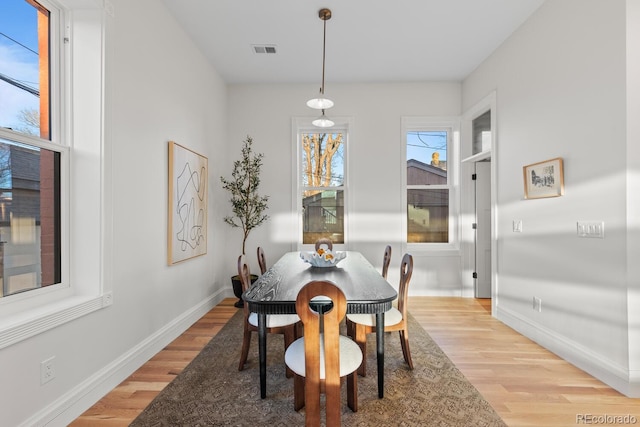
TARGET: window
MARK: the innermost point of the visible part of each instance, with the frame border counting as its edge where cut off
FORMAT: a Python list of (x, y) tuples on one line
[(55, 257), (24, 67), (321, 184), (430, 179), (30, 224)]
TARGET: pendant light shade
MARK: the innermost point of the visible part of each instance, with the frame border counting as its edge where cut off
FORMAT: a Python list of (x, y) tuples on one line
[(323, 121), (320, 102)]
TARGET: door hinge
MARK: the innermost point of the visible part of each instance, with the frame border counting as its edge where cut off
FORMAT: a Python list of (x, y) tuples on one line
[(474, 225), (474, 177), (475, 275)]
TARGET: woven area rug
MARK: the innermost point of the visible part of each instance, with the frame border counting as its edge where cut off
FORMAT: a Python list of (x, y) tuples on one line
[(211, 391)]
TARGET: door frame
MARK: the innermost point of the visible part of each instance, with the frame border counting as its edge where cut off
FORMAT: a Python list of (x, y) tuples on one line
[(468, 196)]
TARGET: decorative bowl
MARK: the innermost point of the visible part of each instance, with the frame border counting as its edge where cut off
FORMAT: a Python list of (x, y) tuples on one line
[(323, 258)]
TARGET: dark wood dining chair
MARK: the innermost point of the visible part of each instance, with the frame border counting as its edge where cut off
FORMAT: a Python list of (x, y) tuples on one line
[(262, 260), (386, 260), (285, 324), (324, 242), (322, 357), (359, 325)]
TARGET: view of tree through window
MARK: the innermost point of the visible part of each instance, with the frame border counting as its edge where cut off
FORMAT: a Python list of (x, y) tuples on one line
[(30, 230), (427, 187), (322, 178)]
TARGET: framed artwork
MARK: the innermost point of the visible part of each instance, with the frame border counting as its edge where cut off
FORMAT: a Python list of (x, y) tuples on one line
[(544, 179), (187, 224)]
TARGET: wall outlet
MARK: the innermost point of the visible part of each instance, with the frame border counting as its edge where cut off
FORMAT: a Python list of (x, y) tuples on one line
[(537, 304), (47, 370), (517, 226)]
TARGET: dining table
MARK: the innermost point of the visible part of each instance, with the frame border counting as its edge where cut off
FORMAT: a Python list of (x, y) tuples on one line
[(275, 292)]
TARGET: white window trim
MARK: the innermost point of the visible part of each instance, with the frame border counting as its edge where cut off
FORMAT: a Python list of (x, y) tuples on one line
[(453, 151), (85, 286), (303, 124)]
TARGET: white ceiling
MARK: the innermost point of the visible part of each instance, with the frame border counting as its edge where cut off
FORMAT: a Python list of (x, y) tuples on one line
[(367, 40)]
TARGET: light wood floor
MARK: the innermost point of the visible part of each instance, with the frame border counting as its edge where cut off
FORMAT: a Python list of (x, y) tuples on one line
[(525, 384)]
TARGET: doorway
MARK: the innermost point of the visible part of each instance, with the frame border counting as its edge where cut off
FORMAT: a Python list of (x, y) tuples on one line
[(482, 288), (478, 141)]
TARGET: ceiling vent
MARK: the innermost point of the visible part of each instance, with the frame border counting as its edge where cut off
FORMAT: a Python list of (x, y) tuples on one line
[(263, 48)]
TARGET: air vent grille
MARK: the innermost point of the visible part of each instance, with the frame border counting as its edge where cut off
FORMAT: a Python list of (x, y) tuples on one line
[(262, 48)]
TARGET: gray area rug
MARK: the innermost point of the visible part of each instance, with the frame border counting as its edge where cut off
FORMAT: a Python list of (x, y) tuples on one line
[(211, 391)]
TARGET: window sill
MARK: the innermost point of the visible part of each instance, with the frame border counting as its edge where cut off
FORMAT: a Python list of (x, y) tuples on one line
[(426, 249), (18, 327)]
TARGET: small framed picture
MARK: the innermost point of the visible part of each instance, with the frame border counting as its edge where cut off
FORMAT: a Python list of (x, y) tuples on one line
[(543, 179)]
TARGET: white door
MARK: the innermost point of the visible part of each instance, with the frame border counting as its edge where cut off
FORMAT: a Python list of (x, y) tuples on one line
[(483, 229)]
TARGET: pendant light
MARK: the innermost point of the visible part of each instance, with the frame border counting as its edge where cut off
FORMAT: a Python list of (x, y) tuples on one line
[(320, 102), (323, 121)]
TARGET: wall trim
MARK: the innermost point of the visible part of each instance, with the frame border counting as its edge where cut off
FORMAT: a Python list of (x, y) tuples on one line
[(604, 369), (71, 405), (63, 312)]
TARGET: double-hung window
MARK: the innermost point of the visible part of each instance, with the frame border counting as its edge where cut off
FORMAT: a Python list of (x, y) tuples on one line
[(430, 182), (30, 148), (321, 179), (52, 56)]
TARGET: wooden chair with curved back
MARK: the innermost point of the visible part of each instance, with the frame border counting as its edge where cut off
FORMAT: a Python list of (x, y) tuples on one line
[(262, 260), (359, 325), (324, 242), (323, 356), (285, 324), (386, 260)]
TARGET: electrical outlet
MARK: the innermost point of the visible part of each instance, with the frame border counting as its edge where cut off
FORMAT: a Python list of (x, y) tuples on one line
[(47, 370), (517, 226), (537, 304)]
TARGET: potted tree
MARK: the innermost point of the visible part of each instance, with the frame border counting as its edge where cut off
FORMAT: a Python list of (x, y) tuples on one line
[(247, 204)]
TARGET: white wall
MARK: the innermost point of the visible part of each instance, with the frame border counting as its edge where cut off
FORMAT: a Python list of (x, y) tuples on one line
[(158, 88), (633, 197), (561, 84), (374, 160)]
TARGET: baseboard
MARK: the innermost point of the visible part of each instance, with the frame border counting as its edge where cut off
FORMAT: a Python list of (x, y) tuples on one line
[(610, 373), (71, 405)]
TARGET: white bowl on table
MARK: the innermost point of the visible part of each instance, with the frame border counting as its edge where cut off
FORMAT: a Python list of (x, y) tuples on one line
[(323, 258)]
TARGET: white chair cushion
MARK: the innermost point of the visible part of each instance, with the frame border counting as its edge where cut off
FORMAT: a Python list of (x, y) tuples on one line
[(391, 317), (275, 320), (350, 356)]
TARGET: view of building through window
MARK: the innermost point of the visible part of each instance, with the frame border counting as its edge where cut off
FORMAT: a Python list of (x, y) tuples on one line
[(427, 187), (30, 233), (322, 177)]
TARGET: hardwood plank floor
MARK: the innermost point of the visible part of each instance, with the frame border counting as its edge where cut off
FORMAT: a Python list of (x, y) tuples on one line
[(526, 384)]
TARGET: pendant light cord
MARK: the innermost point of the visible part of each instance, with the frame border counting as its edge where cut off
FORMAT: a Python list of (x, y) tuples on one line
[(324, 44)]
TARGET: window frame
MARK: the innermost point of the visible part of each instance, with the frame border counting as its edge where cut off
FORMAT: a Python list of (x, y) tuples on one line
[(57, 57), (452, 126), (302, 125), (77, 117)]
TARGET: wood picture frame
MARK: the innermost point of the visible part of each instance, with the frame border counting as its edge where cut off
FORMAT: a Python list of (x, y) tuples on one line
[(188, 209), (544, 179)]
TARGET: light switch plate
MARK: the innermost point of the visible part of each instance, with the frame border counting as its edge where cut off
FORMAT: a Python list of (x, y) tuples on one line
[(592, 229)]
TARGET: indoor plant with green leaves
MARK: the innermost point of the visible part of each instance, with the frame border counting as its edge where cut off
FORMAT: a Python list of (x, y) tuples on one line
[(247, 205)]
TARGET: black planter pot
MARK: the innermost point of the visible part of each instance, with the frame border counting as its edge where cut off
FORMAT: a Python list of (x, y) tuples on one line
[(237, 288)]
